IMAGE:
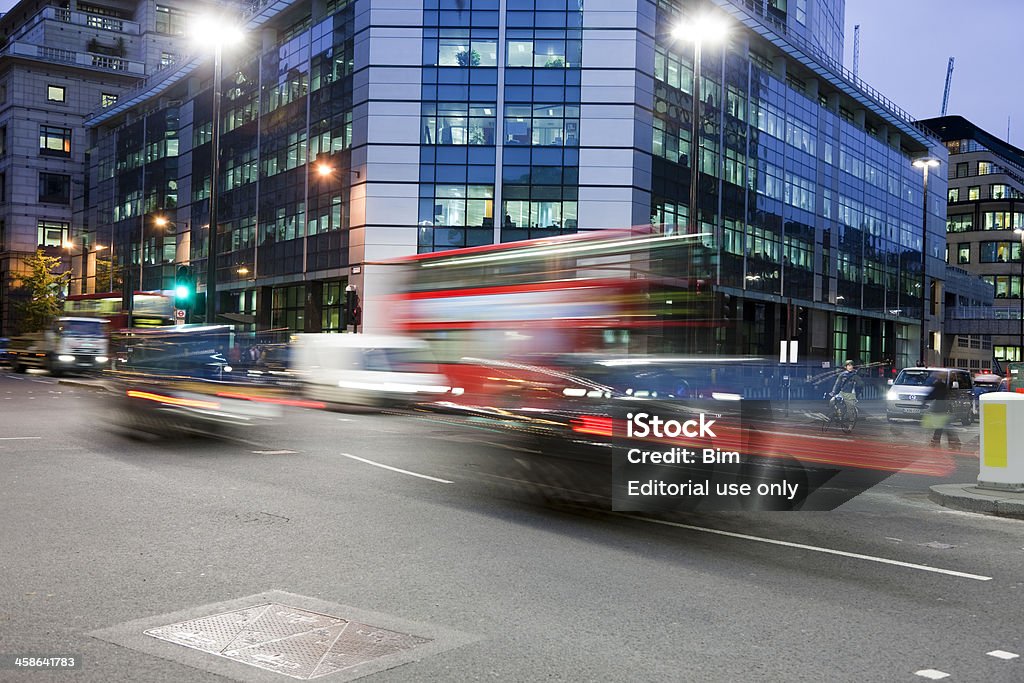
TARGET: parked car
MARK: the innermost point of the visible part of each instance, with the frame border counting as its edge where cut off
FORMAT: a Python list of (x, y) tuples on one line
[(908, 393)]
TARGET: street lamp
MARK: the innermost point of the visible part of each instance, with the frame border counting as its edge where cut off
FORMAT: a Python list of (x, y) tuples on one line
[(924, 164), (711, 28), (217, 32), (1020, 292)]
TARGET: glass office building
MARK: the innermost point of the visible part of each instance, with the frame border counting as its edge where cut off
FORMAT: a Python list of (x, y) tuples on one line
[(451, 123)]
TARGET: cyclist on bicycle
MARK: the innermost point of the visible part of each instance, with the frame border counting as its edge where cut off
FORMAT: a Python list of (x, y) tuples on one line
[(846, 385)]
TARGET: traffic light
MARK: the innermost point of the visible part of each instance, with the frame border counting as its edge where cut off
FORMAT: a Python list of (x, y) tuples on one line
[(184, 288), (801, 321), (352, 310), (728, 307)]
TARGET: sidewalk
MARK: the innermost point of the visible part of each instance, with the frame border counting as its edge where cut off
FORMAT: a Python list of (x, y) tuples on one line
[(969, 497)]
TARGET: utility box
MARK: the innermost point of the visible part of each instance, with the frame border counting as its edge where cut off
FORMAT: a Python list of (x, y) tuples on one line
[(1002, 442)]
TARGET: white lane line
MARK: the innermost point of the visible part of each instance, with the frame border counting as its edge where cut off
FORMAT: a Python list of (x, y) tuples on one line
[(933, 674), (1002, 654), (801, 546), (18, 438), (275, 452), (396, 469)]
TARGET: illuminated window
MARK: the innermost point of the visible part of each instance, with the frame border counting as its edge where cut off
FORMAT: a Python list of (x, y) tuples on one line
[(55, 141), (55, 93), (52, 233)]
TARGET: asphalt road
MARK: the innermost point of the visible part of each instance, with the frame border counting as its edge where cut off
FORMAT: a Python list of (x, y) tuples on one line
[(100, 531)]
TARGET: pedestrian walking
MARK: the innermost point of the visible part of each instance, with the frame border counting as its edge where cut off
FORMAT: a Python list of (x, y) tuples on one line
[(937, 416)]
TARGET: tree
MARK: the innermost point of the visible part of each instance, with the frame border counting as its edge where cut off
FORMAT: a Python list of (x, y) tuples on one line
[(468, 58), (43, 291)]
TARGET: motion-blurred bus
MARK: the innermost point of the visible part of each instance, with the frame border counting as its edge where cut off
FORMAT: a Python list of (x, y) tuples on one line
[(149, 309), (606, 292)]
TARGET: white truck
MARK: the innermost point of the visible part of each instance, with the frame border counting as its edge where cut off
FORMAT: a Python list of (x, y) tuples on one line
[(69, 345)]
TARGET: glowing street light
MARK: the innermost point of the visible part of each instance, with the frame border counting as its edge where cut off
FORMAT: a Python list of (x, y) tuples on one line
[(218, 32), (709, 28)]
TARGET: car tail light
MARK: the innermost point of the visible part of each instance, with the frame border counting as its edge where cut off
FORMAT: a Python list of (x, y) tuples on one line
[(592, 424)]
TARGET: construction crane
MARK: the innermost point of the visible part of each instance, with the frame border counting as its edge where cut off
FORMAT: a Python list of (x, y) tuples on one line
[(856, 50), (945, 93)]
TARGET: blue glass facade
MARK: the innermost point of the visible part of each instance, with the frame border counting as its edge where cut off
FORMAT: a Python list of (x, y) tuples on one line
[(454, 123)]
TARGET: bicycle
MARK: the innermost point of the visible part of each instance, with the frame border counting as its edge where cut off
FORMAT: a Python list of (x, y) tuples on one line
[(844, 415)]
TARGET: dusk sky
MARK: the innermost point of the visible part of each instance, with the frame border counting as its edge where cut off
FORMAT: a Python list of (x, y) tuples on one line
[(905, 46)]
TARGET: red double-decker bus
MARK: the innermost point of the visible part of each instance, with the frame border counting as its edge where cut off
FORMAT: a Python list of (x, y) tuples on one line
[(600, 292)]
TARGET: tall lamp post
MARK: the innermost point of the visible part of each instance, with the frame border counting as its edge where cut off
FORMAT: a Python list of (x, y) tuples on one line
[(924, 164), (218, 32), (706, 27), (1020, 292)]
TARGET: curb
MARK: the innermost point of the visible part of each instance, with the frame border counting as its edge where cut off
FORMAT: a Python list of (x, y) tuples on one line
[(93, 385), (973, 499)]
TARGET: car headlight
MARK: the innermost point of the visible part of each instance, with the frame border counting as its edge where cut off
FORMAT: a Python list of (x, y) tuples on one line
[(892, 395), (101, 359), (66, 359)]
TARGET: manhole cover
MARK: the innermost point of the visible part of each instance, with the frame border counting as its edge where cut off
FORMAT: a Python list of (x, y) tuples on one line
[(288, 640), (257, 638)]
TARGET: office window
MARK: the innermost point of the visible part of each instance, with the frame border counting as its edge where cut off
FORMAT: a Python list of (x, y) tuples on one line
[(107, 100), (984, 167), (999, 252), (52, 233), (455, 47), (961, 170), (1006, 353), (458, 123), (166, 59), (1003, 220), (960, 223), (974, 193), (963, 253), (54, 141), (999, 191), (55, 93), (170, 21), (954, 194), (54, 188)]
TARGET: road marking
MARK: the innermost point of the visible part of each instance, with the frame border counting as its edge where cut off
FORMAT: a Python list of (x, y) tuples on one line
[(1002, 654), (274, 452), (18, 438), (933, 674), (396, 469), (801, 546)]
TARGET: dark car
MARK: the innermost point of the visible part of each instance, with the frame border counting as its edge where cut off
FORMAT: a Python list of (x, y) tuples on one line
[(179, 378)]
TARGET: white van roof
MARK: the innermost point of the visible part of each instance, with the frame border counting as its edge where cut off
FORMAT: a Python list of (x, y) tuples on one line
[(360, 340)]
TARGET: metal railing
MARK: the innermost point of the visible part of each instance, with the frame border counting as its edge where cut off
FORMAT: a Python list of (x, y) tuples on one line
[(985, 313), (815, 53)]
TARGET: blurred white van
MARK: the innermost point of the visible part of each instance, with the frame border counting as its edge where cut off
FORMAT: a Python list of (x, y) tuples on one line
[(366, 369)]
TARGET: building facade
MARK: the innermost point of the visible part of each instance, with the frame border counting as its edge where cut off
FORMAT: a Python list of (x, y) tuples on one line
[(453, 123), (60, 62), (985, 213)]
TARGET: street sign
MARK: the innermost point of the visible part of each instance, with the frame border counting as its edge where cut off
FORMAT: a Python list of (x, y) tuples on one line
[(179, 314)]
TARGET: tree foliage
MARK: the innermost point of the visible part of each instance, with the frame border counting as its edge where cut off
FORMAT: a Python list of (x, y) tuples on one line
[(43, 290)]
